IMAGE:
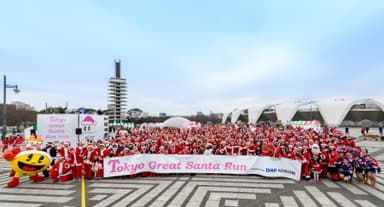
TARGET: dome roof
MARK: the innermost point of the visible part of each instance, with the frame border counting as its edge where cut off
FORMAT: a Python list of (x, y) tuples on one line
[(176, 122)]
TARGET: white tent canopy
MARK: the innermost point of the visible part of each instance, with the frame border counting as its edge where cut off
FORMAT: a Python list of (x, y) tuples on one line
[(180, 122), (286, 111), (235, 116), (333, 111), (254, 113)]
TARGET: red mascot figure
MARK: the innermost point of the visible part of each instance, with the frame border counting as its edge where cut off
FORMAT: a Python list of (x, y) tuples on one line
[(89, 157), (61, 170)]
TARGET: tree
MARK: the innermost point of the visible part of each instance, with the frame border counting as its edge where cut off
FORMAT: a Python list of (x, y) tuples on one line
[(134, 113), (20, 114), (23, 106), (53, 110)]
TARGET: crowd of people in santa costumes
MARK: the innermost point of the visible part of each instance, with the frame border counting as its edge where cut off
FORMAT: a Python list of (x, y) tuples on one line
[(11, 141), (325, 153)]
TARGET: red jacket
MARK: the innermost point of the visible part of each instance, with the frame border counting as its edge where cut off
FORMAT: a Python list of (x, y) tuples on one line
[(63, 168), (333, 156), (76, 158), (316, 167), (65, 152), (89, 156)]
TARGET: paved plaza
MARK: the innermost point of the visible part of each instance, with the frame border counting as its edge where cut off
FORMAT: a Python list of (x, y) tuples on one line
[(197, 190)]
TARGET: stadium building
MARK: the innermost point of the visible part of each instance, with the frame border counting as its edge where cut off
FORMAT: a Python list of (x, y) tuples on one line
[(330, 112)]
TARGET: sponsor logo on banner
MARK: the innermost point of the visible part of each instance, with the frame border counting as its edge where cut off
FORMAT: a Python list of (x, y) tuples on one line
[(265, 166), (270, 170)]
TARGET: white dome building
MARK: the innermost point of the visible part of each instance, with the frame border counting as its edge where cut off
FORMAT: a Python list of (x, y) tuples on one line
[(331, 112), (180, 122)]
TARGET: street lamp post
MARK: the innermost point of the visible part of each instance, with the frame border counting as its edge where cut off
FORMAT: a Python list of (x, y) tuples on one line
[(16, 90)]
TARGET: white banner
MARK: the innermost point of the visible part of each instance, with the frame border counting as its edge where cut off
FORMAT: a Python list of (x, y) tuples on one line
[(92, 127), (57, 127), (265, 166), (62, 127)]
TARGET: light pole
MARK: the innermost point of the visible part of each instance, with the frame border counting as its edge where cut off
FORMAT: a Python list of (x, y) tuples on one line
[(16, 90)]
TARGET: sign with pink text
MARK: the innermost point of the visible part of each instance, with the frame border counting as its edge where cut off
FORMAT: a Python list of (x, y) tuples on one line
[(62, 127), (265, 166), (57, 127)]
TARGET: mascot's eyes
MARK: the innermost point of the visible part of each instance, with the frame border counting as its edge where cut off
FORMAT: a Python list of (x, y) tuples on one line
[(41, 158), (29, 157)]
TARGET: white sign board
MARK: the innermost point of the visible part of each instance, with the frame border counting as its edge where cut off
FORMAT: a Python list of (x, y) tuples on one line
[(92, 127), (265, 166), (62, 127)]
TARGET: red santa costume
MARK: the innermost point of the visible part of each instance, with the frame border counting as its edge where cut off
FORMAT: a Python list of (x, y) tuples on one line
[(316, 169), (113, 150), (98, 169), (65, 150), (333, 156), (19, 140), (77, 162), (89, 157), (265, 151), (61, 170), (11, 142), (104, 152), (306, 157), (251, 149), (324, 163), (5, 144)]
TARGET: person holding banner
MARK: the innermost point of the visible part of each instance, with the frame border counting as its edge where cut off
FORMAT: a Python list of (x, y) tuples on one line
[(98, 168)]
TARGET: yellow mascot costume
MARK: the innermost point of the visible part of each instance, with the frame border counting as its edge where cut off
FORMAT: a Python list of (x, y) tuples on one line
[(29, 162)]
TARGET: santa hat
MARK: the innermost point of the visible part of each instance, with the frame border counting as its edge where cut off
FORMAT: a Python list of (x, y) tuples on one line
[(60, 156), (91, 146), (332, 146), (323, 144), (67, 143)]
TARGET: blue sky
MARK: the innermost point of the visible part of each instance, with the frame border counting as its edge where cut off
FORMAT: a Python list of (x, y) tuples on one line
[(181, 57)]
